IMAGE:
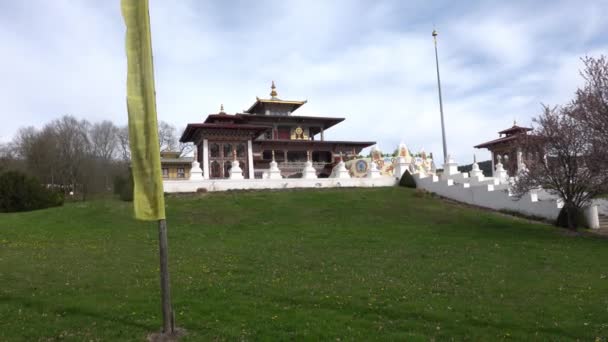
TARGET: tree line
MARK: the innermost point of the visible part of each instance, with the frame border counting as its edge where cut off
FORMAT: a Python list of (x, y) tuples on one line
[(77, 156)]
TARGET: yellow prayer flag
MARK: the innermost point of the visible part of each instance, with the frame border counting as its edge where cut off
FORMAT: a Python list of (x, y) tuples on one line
[(148, 199)]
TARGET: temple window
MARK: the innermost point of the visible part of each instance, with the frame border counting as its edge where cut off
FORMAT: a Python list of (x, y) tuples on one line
[(181, 173), (215, 169), (296, 156), (214, 150), (227, 150), (321, 156), (240, 150), (165, 172), (227, 167)]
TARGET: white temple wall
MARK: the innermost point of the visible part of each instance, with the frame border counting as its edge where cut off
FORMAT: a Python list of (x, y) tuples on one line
[(175, 186), (602, 206), (490, 196)]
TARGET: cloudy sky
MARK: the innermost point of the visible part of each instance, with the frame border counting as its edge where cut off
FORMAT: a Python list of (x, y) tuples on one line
[(371, 62)]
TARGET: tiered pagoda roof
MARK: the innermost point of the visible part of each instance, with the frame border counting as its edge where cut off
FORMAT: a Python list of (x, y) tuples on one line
[(511, 134), (262, 116), (268, 106)]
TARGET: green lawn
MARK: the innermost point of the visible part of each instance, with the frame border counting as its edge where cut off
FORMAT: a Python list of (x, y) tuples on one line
[(354, 264)]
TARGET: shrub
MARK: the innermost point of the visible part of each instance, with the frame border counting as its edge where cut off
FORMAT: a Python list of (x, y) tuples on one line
[(407, 180), (126, 193), (123, 187), (19, 192), (420, 193), (119, 183)]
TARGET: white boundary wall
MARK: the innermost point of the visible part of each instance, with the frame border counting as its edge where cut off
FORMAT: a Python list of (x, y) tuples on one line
[(172, 186), (602, 206), (494, 193), (491, 194)]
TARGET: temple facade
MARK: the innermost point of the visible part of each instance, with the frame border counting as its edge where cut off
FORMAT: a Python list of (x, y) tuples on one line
[(268, 131)]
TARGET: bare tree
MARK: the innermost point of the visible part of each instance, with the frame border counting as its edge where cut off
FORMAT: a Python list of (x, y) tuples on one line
[(8, 158), (23, 140), (167, 140), (591, 102), (74, 150), (184, 148), (570, 145), (167, 136), (104, 140), (37, 150), (70, 153), (562, 161), (78, 155), (123, 143)]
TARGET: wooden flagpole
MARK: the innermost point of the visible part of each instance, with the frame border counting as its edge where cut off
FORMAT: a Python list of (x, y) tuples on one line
[(165, 288)]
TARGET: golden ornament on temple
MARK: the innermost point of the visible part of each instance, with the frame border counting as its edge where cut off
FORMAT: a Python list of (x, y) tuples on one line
[(273, 92)]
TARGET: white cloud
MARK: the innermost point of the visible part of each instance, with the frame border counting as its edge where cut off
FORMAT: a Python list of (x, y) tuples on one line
[(372, 63)]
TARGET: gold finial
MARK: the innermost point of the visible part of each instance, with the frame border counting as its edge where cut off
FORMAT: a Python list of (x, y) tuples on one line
[(435, 33), (273, 92), (272, 155), (222, 109)]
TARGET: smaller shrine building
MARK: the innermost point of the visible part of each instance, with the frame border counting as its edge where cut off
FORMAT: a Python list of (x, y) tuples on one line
[(507, 147)]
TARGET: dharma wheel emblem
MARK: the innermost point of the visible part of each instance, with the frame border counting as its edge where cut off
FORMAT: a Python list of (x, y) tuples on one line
[(299, 133)]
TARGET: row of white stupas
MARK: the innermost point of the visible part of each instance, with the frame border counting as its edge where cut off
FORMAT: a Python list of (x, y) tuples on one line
[(309, 172), (422, 166)]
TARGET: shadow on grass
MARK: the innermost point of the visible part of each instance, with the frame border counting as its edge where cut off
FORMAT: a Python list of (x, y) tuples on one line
[(74, 311), (451, 326)]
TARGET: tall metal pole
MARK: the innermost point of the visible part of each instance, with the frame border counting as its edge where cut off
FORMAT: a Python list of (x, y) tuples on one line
[(445, 146)]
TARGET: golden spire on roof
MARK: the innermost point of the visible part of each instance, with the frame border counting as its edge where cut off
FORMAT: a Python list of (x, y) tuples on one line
[(273, 92), (222, 109)]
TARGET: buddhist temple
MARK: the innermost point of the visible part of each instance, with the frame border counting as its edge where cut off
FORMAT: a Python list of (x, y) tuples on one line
[(506, 148), (268, 131)]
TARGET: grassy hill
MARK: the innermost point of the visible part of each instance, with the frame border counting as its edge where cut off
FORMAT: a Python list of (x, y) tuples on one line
[(308, 265)]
